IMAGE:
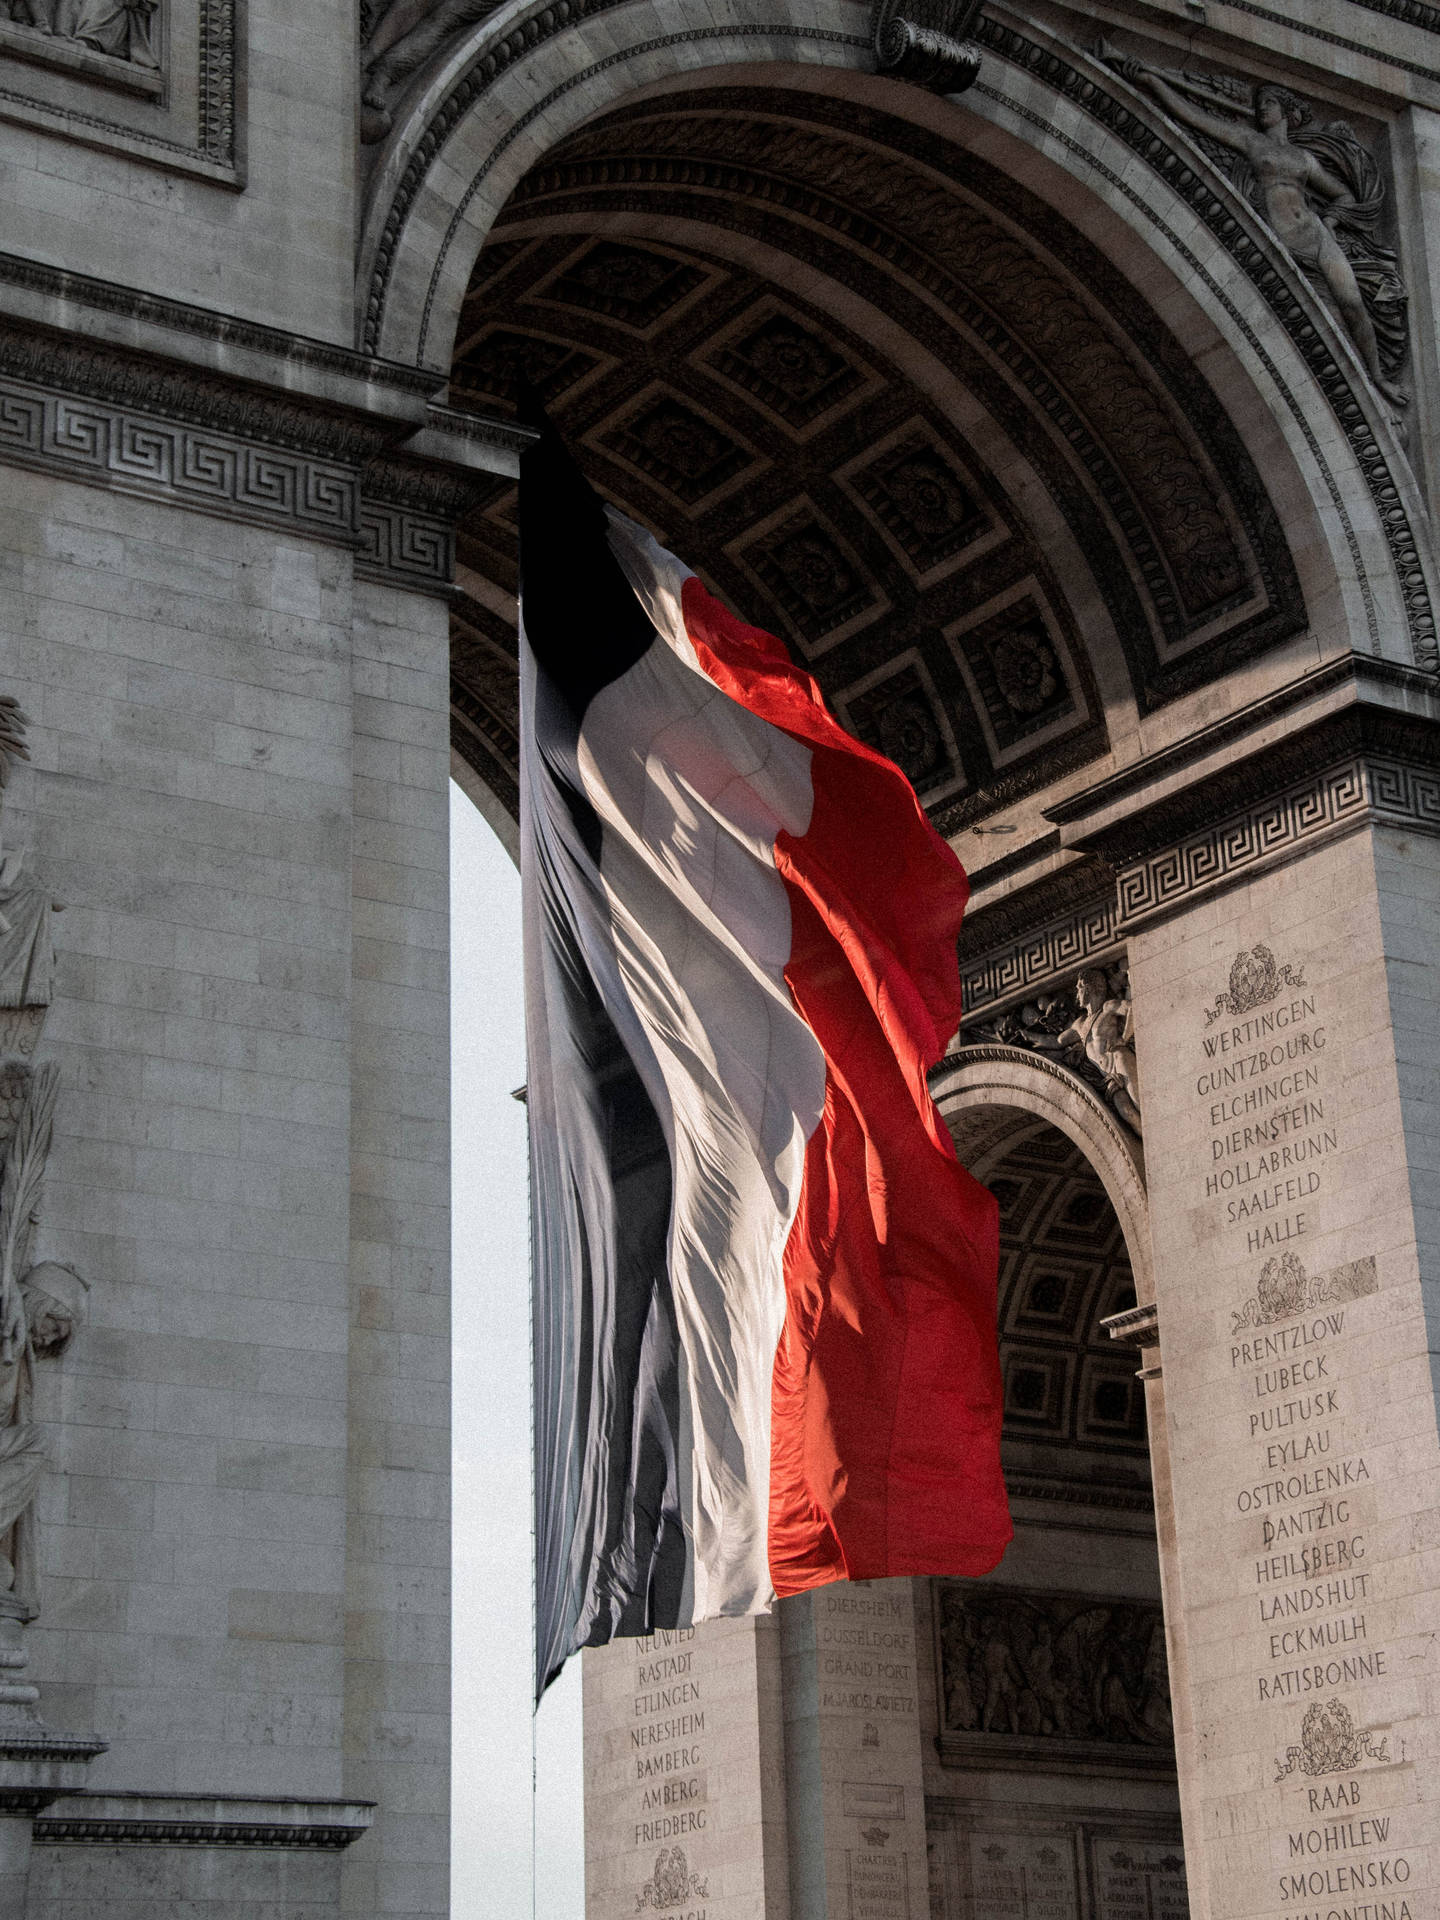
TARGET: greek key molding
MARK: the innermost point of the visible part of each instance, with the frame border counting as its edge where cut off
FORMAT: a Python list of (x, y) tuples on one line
[(84, 439), (1063, 945), (201, 468), (1360, 789), (403, 547)]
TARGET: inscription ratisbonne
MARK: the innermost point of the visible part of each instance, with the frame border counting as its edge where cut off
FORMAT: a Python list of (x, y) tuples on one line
[(1304, 1504)]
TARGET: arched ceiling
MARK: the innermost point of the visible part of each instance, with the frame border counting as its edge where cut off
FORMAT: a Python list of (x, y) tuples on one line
[(1073, 1405), (886, 402)]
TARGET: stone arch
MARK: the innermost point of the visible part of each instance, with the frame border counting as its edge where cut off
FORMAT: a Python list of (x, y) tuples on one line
[(985, 1094), (513, 88)]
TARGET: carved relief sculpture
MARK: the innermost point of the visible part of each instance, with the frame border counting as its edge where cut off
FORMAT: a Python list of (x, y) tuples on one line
[(39, 1302), (1318, 187), (1089, 1028), (1051, 1666), (397, 37), (122, 28)]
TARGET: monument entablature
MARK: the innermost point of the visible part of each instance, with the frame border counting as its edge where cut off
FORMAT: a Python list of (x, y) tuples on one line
[(1062, 384)]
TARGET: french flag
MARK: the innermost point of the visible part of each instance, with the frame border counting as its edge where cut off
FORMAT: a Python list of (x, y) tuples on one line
[(764, 1288)]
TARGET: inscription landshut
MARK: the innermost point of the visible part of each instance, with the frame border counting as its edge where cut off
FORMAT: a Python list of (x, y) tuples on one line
[(1305, 1511)]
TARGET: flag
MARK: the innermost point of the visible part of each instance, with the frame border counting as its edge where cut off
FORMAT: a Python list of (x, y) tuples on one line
[(764, 1288)]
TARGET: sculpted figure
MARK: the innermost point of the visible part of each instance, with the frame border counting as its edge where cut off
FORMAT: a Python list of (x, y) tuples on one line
[(397, 38), (117, 27), (1104, 1032), (38, 1302), (1313, 186)]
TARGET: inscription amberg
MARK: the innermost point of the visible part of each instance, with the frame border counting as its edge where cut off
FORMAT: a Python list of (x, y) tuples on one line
[(667, 1753)]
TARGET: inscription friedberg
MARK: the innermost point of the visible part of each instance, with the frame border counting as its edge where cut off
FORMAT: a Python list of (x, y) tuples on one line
[(667, 1756)]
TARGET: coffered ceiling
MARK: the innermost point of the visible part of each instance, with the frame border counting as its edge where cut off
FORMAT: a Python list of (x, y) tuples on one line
[(887, 404)]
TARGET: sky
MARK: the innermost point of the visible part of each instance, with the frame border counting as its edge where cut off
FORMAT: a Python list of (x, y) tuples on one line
[(492, 1810)]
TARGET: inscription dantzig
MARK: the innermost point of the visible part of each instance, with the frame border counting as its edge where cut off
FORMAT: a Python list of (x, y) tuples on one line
[(1330, 1742), (1285, 1289)]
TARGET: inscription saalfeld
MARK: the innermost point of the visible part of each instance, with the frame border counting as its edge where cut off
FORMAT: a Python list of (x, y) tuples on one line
[(1305, 1503)]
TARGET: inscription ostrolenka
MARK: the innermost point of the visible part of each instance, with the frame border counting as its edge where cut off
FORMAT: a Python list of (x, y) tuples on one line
[(39, 1302), (1330, 1742), (1318, 187)]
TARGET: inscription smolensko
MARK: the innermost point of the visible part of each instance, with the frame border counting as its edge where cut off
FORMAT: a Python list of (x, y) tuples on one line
[(1306, 1508)]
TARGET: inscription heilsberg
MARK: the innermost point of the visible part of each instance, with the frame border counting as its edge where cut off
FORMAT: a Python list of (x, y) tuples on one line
[(1262, 1081)]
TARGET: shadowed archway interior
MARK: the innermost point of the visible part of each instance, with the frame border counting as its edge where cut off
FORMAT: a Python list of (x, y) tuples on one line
[(885, 401)]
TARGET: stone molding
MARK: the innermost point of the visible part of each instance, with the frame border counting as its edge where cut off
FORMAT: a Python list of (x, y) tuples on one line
[(1368, 762), (1038, 936), (213, 155), (1081, 1493), (1090, 90), (388, 482), (200, 1820)]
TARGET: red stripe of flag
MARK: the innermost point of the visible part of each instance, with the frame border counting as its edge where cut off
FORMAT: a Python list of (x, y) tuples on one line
[(885, 1444)]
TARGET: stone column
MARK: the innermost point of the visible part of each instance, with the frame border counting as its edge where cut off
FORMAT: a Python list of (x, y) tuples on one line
[(684, 1775), (854, 1778), (1288, 1043), (37, 1765)]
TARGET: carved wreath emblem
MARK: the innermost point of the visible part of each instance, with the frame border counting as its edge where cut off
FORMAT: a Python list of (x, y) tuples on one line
[(1255, 979), (1330, 1742), (672, 1882), (1285, 1289)]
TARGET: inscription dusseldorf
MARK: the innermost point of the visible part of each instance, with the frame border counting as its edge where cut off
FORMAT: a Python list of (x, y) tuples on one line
[(667, 1739), (1272, 1130), (864, 1647)]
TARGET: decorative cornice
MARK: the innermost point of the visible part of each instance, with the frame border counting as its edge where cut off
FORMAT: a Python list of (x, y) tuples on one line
[(101, 442), (1081, 1493), (1362, 789), (1136, 1327), (208, 1820), (1409, 12), (1037, 936)]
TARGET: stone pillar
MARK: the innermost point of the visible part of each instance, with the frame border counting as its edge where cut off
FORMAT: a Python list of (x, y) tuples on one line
[(854, 1777), (37, 1766), (685, 1776), (1288, 1045)]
